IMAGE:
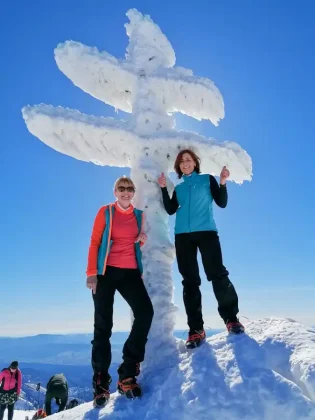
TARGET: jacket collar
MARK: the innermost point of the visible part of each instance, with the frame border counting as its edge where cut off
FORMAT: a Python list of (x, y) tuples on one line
[(121, 210), (190, 176)]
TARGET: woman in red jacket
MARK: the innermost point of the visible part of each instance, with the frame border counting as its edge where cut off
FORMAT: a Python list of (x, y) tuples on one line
[(10, 389), (115, 263)]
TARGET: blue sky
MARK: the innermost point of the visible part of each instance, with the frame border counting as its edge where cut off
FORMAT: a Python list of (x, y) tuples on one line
[(260, 55)]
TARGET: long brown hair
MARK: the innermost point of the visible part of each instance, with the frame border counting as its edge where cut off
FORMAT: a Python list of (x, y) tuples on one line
[(178, 160)]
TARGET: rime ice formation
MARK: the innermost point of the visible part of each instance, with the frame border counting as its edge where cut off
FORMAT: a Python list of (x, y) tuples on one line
[(146, 84)]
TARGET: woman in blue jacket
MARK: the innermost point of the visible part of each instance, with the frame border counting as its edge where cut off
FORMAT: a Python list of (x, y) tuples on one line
[(195, 229)]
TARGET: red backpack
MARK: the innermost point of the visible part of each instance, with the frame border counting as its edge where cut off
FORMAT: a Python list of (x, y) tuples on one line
[(40, 414)]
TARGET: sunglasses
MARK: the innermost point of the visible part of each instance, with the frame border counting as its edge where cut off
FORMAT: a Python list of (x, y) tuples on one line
[(123, 189)]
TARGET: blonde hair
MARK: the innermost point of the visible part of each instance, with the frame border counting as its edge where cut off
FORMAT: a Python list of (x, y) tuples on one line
[(124, 180)]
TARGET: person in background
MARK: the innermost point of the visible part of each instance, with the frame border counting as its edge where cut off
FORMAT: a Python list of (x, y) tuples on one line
[(114, 263), (57, 387), (195, 229), (10, 388)]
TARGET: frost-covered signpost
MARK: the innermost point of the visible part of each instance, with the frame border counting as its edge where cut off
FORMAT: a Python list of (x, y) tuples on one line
[(147, 85)]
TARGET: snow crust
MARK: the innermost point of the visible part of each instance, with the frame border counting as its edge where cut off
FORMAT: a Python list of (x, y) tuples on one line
[(266, 374)]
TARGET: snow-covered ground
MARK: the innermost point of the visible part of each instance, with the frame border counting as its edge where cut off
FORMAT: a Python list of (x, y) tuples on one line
[(266, 374), (21, 414)]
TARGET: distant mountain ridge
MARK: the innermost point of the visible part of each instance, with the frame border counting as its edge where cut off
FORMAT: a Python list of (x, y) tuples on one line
[(67, 349)]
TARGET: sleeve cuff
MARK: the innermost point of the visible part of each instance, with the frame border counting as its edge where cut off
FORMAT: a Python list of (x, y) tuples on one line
[(91, 273)]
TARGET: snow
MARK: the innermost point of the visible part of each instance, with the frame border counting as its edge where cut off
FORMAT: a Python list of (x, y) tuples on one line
[(147, 44), (265, 374), (115, 81), (106, 141), (21, 414)]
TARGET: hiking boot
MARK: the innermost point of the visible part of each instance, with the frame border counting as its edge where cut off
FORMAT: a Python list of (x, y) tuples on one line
[(234, 326), (195, 338), (129, 387), (101, 384)]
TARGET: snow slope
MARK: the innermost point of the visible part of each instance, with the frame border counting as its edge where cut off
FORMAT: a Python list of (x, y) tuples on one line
[(21, 414), (267, 373)]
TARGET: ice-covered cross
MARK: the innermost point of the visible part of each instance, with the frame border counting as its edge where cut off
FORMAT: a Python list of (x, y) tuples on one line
[(147, 85)]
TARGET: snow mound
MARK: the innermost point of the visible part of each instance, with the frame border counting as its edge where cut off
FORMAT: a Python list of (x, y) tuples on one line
[(266, 374)]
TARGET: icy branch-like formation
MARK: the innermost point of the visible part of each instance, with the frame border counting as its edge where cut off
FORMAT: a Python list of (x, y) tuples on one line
[(99, 74), (105, 141), (148, 47), (115, 82)]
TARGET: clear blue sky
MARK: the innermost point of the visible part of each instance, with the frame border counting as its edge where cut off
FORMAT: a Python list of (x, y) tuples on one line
[(261, 57)]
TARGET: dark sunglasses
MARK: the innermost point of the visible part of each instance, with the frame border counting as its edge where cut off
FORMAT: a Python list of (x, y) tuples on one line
[(123, 189)]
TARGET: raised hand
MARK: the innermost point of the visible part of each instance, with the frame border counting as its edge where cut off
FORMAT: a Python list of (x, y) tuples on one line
[(162, 180), (225, 173)]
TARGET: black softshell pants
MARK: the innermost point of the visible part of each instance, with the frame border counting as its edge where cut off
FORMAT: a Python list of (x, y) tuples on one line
[(129, 284), (187, 245)]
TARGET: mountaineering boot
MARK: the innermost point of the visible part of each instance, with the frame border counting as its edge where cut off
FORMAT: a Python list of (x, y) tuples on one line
[(129, 387), (234, 326), (101, 384), (195, 338)]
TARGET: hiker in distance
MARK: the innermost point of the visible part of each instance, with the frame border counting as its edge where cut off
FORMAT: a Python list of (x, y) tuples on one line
[(10, 388), (57, 387)]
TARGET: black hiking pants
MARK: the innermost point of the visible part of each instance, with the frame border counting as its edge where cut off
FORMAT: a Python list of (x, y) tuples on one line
[(187, 245), (10, 411), (130, 285)]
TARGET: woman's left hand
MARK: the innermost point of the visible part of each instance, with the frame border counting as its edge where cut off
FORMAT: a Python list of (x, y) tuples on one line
[(225, 173), (142, 238)]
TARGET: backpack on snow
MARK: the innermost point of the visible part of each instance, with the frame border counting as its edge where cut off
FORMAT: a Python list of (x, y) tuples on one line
[(40, 414), (73, 403)]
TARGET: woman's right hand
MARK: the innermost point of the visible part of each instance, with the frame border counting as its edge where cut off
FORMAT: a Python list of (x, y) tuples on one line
[(162, 180), (91, 283)]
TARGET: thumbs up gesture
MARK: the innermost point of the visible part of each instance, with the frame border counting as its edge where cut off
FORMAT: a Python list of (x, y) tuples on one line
[(162, 180), (225, 173)]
